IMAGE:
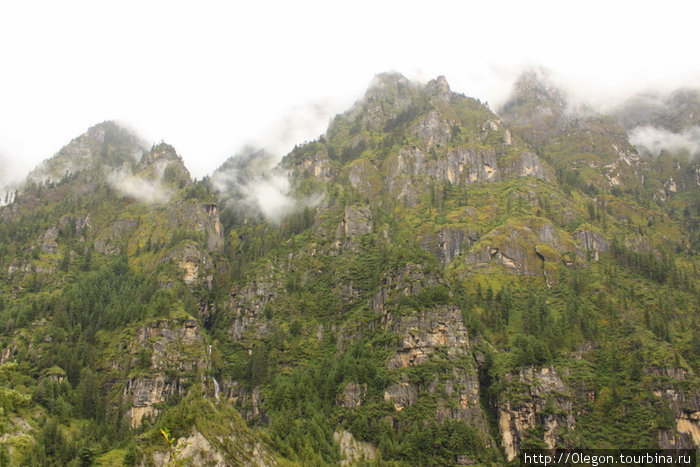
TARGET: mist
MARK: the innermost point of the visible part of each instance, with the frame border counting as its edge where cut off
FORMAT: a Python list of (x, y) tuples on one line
[(244, 183), (250, 181), (653, 140), (270, 194), (248, 184), (252, 185), (149, 191), (6, 182)]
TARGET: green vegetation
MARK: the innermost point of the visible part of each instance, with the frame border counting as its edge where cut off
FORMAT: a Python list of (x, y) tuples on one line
[(442, 272)]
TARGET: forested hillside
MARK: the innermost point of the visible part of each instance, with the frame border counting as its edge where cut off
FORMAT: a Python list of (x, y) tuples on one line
[(427, 283)]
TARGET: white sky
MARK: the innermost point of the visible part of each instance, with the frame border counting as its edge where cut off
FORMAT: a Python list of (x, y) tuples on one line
[(208, 77)]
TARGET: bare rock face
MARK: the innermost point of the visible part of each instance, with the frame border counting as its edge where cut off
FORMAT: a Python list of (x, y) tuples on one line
[(196, 448), (238, 448), (401, 395), (433, 130), (388, 95), (439, 88), (410, 168), (401, 170), (248, 305), (144, 393), (527, 164), (213, 229), (683, 402), (48, 240), (193, 262), (448, 243), (363, 175), (467, 165), (532, 247), (429, 336), (424, 332), (354, 452), (461, 399), (318, 165), (177, 351), (357, 221), (592, 241), (353, 395), (163, 165), (201, 218), (536, 397)]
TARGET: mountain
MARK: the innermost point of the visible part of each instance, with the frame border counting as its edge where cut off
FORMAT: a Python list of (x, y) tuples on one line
[(676, 111), (428, 283)]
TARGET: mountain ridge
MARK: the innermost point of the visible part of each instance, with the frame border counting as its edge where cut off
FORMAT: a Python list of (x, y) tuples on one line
[(439, 285)]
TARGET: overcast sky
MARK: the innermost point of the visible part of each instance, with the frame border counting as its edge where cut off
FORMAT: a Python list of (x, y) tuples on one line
[(209, 77)]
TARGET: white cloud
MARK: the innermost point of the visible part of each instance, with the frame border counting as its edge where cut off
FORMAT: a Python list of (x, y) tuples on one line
[(249, 184), (211, 77), (149, 191), (271, 196), (655, 140)]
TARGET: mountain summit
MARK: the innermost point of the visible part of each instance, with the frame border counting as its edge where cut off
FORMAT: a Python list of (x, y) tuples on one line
[(428, 283), (106, 144)]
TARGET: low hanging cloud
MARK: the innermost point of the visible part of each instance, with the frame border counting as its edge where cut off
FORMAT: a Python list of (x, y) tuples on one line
[(654, 140), (252, 184), (270, 194), (247, 183), (150, 191)]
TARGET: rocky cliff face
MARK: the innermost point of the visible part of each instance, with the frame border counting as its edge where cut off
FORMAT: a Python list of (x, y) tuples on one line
[(685, 405), (449, 242), (429, 337), (540, 113), (218, 438), (591, 241), (438, 137), (534, 397), (168, 355), (484, 196), (353, 451), (532, 248), (248, 306), (454, 287)]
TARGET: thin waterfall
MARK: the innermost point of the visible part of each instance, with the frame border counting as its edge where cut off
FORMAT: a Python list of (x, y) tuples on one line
[(216, 387)]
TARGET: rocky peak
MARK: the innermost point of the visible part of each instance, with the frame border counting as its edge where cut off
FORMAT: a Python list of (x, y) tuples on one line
[(387, 84), (535, 101), (438, 87), (675, 112), (105, 144), (536, 85), (163, 164), (539, 113), (161, 152)]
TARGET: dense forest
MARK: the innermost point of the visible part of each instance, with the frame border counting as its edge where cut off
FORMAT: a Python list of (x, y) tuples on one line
[(446, 286)]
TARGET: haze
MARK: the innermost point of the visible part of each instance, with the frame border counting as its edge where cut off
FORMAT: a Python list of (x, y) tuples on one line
[(213, 77)]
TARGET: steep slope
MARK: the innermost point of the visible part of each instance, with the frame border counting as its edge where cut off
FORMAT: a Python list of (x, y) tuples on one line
[(675, 112), (666, 131), (428, 283), (106, 269), (587, 148), (450, 278)]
